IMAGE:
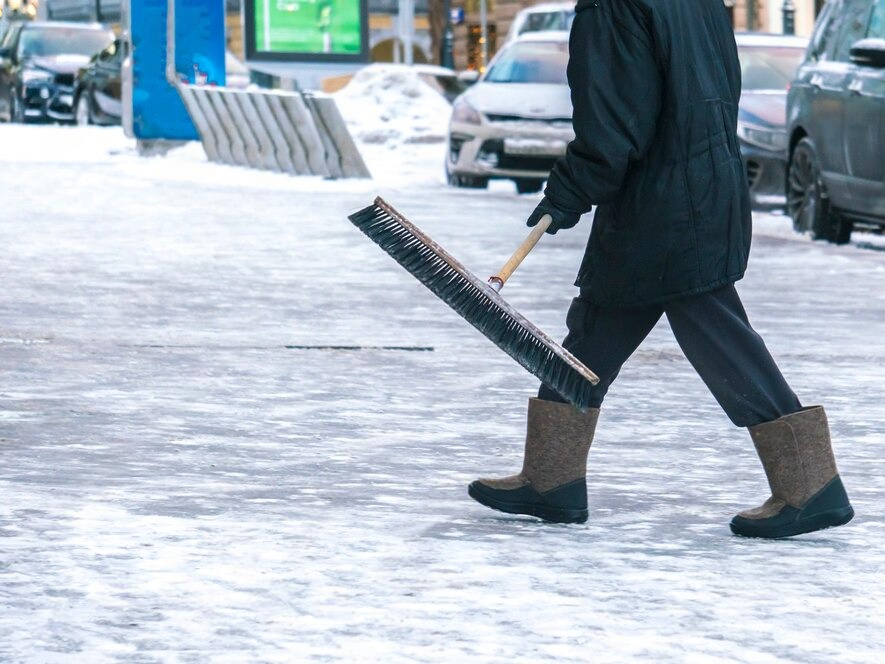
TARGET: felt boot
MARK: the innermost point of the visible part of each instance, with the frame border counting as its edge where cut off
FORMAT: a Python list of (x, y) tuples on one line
[(552, 484), (806, 490)]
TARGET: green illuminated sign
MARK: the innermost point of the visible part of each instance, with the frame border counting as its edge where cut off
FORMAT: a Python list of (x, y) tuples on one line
[(324, 29)]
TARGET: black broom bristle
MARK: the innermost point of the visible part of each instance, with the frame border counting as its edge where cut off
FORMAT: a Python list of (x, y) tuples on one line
[(476, 302)]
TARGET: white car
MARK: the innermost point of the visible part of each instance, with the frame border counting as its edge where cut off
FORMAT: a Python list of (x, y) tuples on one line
[(516, 121), (542, 17)]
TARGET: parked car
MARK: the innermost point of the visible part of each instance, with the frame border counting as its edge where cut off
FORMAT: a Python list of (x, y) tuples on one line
[(836, 122), (542, 18), (38, 62), (516, 121), (768, 65), (98, 88)]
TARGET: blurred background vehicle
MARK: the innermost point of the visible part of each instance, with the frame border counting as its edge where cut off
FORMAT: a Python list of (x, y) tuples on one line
[(836, 121), (98, 88), (543, 17), (768, 65), (38, 63), (515, 122)]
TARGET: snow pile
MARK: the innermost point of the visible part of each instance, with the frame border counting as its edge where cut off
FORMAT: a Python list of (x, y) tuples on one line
[(390, 105)]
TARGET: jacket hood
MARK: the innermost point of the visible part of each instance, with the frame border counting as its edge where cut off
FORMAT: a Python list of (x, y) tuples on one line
[(59, 64), (768, 109), (529, 100)]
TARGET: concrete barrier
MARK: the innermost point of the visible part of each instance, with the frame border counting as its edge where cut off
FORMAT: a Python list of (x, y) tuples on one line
[(289, 132)]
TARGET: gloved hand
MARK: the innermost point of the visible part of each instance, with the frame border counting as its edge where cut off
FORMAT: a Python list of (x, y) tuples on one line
[(561, 218)]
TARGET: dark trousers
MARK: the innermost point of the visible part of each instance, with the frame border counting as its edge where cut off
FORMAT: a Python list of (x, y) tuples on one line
[(712, 330)]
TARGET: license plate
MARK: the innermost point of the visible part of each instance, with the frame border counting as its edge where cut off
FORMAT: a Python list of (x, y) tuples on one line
[(534, 147), (66, 100)]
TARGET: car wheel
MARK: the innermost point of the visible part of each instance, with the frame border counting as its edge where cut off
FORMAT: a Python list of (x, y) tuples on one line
[(528, 185), (82, 112), (807, 201)]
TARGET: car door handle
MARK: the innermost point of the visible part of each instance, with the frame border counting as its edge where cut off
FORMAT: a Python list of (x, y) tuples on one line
[(856, 87), (816, 81)]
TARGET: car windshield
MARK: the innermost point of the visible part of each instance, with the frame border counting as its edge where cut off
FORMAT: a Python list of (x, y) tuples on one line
[(531, 62), (768, 67), (63, 41), (553, 20)]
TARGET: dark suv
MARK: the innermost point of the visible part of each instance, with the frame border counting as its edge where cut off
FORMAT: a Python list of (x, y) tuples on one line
[(38, 61), (836, 124)]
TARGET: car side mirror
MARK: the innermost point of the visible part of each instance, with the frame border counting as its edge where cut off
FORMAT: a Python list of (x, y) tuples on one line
[(468, 76), (868, 53), (5, 53)]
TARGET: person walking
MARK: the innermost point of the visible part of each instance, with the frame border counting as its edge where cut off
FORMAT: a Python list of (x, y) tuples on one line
[(655, 87)]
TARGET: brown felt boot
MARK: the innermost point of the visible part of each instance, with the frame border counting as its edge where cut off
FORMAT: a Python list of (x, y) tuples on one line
[(806, 490), (552, 483)]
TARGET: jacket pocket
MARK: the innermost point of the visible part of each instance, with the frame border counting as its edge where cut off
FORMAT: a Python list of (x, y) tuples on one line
[(714, 181), (709, 174), (709, 164)]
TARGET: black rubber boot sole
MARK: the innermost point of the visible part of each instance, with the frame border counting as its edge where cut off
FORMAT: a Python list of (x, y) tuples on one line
[(828, 508), (527, 501)]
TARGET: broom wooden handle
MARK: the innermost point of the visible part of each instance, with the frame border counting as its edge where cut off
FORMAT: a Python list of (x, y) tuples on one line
[(498, 280)]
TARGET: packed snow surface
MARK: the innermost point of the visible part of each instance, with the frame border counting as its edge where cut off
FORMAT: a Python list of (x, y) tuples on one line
[(190, 471), (391, 105)]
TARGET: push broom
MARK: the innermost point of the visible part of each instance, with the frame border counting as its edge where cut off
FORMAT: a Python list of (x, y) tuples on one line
[(479, 302)]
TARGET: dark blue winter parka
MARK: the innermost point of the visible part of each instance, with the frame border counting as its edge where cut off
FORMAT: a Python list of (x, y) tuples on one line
[(655, 86)]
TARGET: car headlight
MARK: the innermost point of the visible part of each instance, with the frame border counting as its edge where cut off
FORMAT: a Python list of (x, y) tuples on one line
[(36, 76), (762, 137), (462, 111)]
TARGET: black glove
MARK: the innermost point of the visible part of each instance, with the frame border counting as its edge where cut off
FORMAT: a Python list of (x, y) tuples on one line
[(561, 218)]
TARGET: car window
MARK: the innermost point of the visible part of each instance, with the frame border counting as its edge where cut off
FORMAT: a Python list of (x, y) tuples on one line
[(877, 22), (854, 19), (823, 41), (46, 41), (553, 20), (768, 67), (530, 62)]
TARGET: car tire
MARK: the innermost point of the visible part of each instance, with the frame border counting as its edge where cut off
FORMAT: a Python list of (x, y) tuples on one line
[(807, 202), (528, 185), (82, 112)]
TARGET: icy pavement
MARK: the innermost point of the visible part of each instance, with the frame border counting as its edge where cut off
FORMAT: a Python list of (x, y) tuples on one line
[(189, 472)]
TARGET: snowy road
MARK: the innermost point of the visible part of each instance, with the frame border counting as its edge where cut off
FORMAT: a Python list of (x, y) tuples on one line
[(188, 473)]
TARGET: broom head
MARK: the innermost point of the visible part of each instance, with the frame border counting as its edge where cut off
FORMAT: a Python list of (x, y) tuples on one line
[(477, 302)]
